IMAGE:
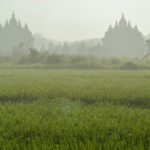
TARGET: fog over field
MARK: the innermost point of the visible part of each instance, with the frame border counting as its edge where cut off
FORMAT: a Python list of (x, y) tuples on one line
[(74, 19), (105, 29)]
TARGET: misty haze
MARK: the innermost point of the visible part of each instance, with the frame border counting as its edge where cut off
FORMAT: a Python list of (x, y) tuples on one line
[(74, 75)]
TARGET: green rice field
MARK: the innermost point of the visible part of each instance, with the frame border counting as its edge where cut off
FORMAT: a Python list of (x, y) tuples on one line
[(74, 109)]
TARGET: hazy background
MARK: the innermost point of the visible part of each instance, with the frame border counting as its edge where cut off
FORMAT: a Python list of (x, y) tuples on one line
[(76, 19)]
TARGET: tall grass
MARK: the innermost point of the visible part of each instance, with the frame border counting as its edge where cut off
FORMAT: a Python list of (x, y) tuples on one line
[(67, 125), (86, 85), (74, 109)]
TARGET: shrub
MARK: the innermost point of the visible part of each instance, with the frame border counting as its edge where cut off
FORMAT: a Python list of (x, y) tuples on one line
[(104, 61), (23, 60), (115, 61), (76, 59), (53, 59), (129, 66)]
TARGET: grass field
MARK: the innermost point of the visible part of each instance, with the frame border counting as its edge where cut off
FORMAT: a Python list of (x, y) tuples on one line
[(74, 109)]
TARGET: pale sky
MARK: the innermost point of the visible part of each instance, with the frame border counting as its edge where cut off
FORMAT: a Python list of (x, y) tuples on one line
[(76, 19)]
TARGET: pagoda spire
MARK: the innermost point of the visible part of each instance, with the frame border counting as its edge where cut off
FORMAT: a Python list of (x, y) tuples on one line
[(13, 21), (129, 24), (136, 28), (110, 28), (19, 24), (122, 21), (122, 15), (13, 14), (6, 24), (26, 27)]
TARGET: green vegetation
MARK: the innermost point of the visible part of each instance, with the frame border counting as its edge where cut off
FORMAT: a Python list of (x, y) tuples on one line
[(45, 60), (74, 109)]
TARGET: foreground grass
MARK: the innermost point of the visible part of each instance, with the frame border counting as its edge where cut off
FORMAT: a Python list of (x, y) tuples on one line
[(55, 109), (62, 124)]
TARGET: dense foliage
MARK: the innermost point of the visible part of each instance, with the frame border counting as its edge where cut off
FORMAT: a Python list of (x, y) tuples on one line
[(45, 60)]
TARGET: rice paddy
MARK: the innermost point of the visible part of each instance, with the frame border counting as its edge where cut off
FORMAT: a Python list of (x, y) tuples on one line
[(74, 109)]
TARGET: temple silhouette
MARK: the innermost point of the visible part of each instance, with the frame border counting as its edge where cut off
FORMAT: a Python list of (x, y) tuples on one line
[(123, 39), (12, 33), (120, 40)]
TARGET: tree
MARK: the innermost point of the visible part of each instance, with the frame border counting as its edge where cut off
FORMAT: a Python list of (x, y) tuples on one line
[(50, 47), (65, 49), (20, 49), (33, 52), (82, 49)]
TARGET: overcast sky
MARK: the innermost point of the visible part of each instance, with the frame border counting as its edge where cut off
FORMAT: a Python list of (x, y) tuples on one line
[(76, 19)]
